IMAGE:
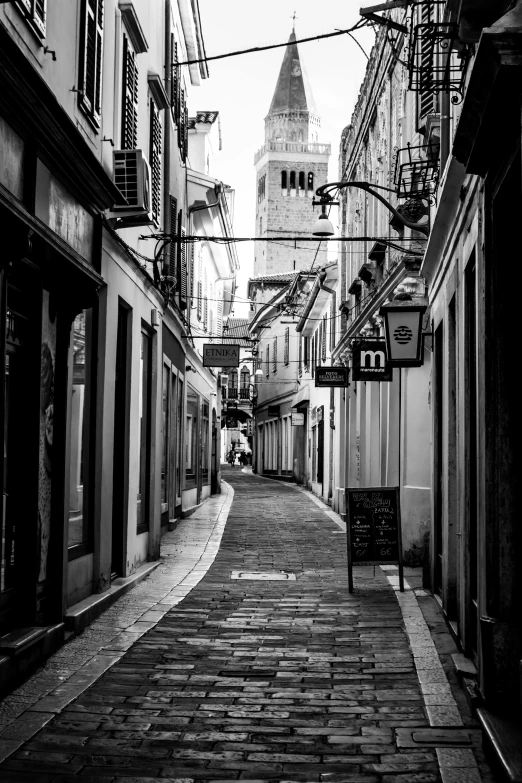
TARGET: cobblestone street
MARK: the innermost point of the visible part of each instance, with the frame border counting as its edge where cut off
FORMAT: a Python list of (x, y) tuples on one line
[(262, 667)]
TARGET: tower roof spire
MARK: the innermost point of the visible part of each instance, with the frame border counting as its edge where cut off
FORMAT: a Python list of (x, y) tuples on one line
[(292, 92)]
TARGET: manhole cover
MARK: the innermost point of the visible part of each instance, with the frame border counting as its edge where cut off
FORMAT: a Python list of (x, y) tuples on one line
[(264, 576), (435, 737)]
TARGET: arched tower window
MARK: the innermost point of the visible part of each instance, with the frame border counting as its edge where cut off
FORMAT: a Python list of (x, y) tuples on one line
[(300, 136), (292, 180), (301, 182), (245, 378), (284, 181), (310, 183)]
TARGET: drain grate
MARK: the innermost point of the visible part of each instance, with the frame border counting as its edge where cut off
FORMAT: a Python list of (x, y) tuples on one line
[(264, 576), (433, 737)]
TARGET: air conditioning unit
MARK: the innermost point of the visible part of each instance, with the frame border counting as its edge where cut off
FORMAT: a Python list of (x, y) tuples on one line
[(132, 177)]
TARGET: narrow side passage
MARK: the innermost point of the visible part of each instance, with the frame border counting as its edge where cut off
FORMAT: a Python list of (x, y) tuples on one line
[(284, 680)]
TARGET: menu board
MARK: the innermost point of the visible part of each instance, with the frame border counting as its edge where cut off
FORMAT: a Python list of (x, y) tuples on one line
[(373, 526)]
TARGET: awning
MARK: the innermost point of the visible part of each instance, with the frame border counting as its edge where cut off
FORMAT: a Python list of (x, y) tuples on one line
[(301, 398)]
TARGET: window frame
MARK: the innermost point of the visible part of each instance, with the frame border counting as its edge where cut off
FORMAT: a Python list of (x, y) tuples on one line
[(90, 106), (35, 21), (155, 159), (129, 96)]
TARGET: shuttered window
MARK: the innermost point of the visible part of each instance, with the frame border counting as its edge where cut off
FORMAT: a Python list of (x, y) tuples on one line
[(155, 160), (181, 123), (323, 339), (427, 101), (274, 355), (182, 263), (199, 289), (268, 361), (90, 59), (175, 80), (333, 321), (173, 255), (300, 359), (129, 118), (306, 352), (219, 313), (34, 12), (205, 300), (287, 346)]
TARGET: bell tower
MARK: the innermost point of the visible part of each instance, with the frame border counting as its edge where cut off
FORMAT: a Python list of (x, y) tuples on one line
[(290, 165)]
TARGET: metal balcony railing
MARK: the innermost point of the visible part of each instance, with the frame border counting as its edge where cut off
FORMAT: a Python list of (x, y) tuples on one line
[(293, 146), (437, 59), (417, 171)]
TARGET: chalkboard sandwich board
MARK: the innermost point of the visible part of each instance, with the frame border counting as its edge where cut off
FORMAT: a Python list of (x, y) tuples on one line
[(373, 528)]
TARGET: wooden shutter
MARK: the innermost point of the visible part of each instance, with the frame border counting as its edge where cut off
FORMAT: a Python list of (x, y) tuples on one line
[(35, 11), (333, 321), (199, 288), (274, 352), (220, 314), (91, 46), (185, 134), (300, 358), (181, 123), (129, 120), (155, 160), (205, 300), (173, 254), (287, 346), (306, 352), (268, 361), (182, 263), (323, 341), (175, 80)]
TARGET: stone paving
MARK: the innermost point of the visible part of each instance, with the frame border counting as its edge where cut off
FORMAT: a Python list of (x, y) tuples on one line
[(242, 672)]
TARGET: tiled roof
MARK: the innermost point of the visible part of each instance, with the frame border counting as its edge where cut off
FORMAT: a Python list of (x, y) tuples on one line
[(238, 327), (279, 277), (203, 116)]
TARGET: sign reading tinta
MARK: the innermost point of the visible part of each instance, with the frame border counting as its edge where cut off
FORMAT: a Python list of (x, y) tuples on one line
[(217, 355), (369, 362)]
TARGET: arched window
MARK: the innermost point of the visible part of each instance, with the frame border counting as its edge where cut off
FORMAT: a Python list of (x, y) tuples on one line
[(292, 180), (301, 180), (300, 136), (245, 378), (310, 181), (294, 137), (284, 180)]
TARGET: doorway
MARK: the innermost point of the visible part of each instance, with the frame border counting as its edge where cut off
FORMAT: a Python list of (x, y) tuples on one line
[(120, 475)]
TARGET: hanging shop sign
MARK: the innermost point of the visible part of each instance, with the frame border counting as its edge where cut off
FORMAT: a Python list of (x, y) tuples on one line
[(297, 419), (373, 527), (370, 363), (231, 423), (216, 355), (403, 328), (331, 377), (273, 411)]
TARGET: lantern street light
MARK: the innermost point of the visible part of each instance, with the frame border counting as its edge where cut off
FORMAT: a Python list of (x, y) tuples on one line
[(403, 329)]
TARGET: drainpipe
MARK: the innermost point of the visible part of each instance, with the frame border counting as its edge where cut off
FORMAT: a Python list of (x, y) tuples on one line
[(167, 123)]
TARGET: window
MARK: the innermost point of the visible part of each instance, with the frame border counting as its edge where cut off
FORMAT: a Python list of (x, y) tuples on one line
[(323, 338), (313, 357), (199, 289), (292, 180), (175, 80), (284, 180), (287, 346), (310, 182), (182, 265), (306, 352), (267, 361), (34, 12), (300, 358), (173, 248), (80, 427), (129, 114), (274, 355), (155, 160), (205, 301), (333, 321), (301, 182), (144, 430), (91, 45), (183, 125)]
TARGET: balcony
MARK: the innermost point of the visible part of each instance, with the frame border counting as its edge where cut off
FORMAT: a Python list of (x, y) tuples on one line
[(292, 146), (437, 59), (417, 171)]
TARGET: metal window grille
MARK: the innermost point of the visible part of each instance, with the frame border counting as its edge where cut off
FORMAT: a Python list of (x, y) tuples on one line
[(129, 121), (416, 171), (90, 58)]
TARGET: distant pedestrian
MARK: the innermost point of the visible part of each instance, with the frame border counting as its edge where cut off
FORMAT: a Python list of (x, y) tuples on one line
[(243, 459), (231, 457)]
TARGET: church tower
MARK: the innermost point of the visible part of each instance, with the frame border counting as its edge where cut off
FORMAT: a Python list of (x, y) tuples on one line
[(290, 165)]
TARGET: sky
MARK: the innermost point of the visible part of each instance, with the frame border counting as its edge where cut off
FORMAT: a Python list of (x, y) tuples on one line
[(241, 87)]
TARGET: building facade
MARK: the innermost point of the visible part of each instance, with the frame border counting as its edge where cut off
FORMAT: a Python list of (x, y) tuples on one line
[(103, 385)]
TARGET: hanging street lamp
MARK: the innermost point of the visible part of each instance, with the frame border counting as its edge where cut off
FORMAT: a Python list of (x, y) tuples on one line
[(403, 329)]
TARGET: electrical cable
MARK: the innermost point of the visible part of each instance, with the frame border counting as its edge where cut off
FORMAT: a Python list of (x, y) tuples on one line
[(357, 26)]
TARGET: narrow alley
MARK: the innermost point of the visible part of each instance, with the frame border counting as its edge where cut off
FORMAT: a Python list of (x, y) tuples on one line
[(259, 667)]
